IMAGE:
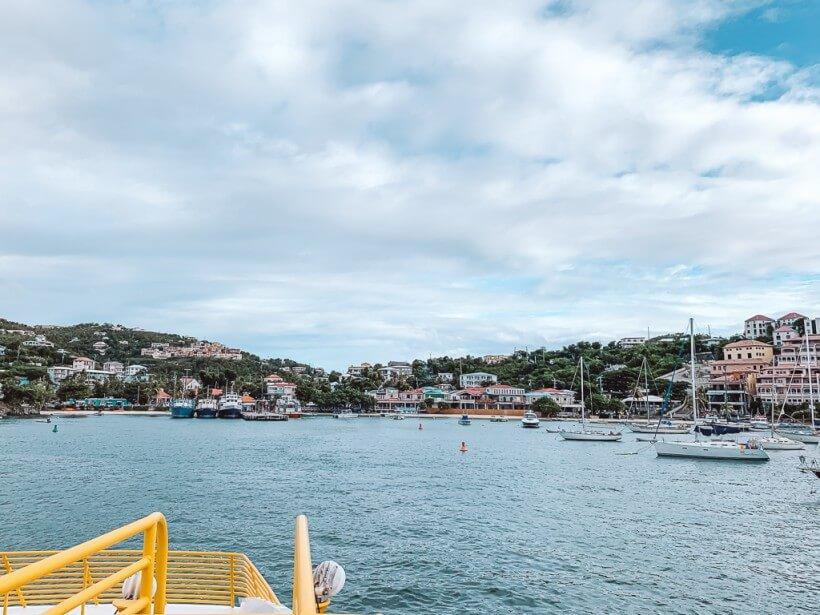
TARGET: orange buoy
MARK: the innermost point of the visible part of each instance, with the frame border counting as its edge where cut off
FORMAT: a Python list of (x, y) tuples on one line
[(463, 447)]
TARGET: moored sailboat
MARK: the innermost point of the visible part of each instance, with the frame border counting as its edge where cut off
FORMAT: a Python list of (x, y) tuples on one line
[(708, 449), (584, 433)]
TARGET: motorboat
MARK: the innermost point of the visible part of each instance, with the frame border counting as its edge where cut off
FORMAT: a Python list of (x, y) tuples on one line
[(178, 582), (206, 408), (804, 434), (397, 416), (182, 408), (499, 419), (759, 423), (347, 414), (230, 406), (530, 420), (464, 420)]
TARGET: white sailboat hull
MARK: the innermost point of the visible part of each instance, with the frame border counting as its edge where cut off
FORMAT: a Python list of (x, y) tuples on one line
[(728, 451), (659, 430), (590, 436), (808, 438), (780, 444)]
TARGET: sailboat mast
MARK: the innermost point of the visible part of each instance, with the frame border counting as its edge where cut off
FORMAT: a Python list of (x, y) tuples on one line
[(806, 329), (646, 386), (692, 369), (583, 414)]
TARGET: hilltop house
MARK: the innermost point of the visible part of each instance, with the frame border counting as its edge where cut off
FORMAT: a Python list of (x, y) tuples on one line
[(476, 379), (757, 326)]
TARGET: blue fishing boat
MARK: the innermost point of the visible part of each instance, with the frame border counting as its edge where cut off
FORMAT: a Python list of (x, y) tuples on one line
[(464, 420), (182, 408)]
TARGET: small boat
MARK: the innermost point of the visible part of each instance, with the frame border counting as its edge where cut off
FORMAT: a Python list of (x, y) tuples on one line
[(530, 420), (499, 419), (464, 420), (230, 406), (182, 408), (397, 417), (347, 414), (206, 408), (263, 415)]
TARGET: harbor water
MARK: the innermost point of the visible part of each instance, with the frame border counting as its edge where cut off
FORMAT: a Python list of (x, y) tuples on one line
[(521, 523)]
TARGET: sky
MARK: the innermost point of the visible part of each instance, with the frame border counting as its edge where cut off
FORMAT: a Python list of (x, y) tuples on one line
[(341, 181)]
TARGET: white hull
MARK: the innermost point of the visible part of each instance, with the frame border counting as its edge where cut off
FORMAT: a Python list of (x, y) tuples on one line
[(346, 416), (808, 438), (590, 436), (530, 424), (727, 451), (780, 444), (660, 430)]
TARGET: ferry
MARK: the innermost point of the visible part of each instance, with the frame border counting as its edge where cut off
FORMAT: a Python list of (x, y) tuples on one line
[(93, 578), (230, 406), (206, 408), (182, 408)]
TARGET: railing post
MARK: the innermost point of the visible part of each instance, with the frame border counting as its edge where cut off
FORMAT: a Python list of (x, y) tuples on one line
[(304, 599), (149, 551), (161, 565)]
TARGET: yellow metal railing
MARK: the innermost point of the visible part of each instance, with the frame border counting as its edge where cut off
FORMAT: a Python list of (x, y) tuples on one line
[(66, 580), (93, 573)]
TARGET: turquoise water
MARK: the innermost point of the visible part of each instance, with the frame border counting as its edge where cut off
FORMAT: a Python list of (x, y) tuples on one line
[(522, 523)]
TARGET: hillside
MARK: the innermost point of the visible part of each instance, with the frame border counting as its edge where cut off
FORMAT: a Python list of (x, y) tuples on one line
[(23, 369)]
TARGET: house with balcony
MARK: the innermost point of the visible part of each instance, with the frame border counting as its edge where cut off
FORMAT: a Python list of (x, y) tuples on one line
[(758, 326), (563, 397), (115, 367), (83, 363), (39, 341), (790, 320), (631, 342), (784, 333), (476, 379), (358, 370)]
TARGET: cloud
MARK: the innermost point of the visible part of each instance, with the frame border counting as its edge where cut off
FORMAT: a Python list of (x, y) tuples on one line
[(344, 180)]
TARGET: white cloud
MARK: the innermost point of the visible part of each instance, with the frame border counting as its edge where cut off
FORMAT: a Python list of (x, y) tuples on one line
[(341, 180)]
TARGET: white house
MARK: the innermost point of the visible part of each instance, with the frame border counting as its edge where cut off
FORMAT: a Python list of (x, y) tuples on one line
[(115, 367), (757, 326), (476, 379), (84, 363), (39, 341), (563, 397), (631, 342), (790, 319), (358, 370), (444, 377), (133, 370)]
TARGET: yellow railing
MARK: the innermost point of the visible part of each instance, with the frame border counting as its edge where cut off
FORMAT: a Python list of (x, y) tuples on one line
[(92, 573), (52, 574)]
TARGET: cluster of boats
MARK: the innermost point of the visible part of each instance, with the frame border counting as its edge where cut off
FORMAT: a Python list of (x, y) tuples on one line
[(231, 406)]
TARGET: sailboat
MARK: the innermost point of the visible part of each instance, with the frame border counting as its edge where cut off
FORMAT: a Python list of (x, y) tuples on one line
[(807, 435), (774, 442), (586, 434), (662, 426), (708, 449)]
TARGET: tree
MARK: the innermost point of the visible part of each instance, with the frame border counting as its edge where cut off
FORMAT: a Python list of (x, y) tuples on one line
[(546, 405), (74, 387)]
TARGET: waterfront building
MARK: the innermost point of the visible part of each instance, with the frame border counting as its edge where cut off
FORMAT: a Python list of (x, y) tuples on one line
[(563, 397), (390, 399), (758, 326), (788, 379), (276, 386), (784, 333), (733, 380), (476, 379)]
